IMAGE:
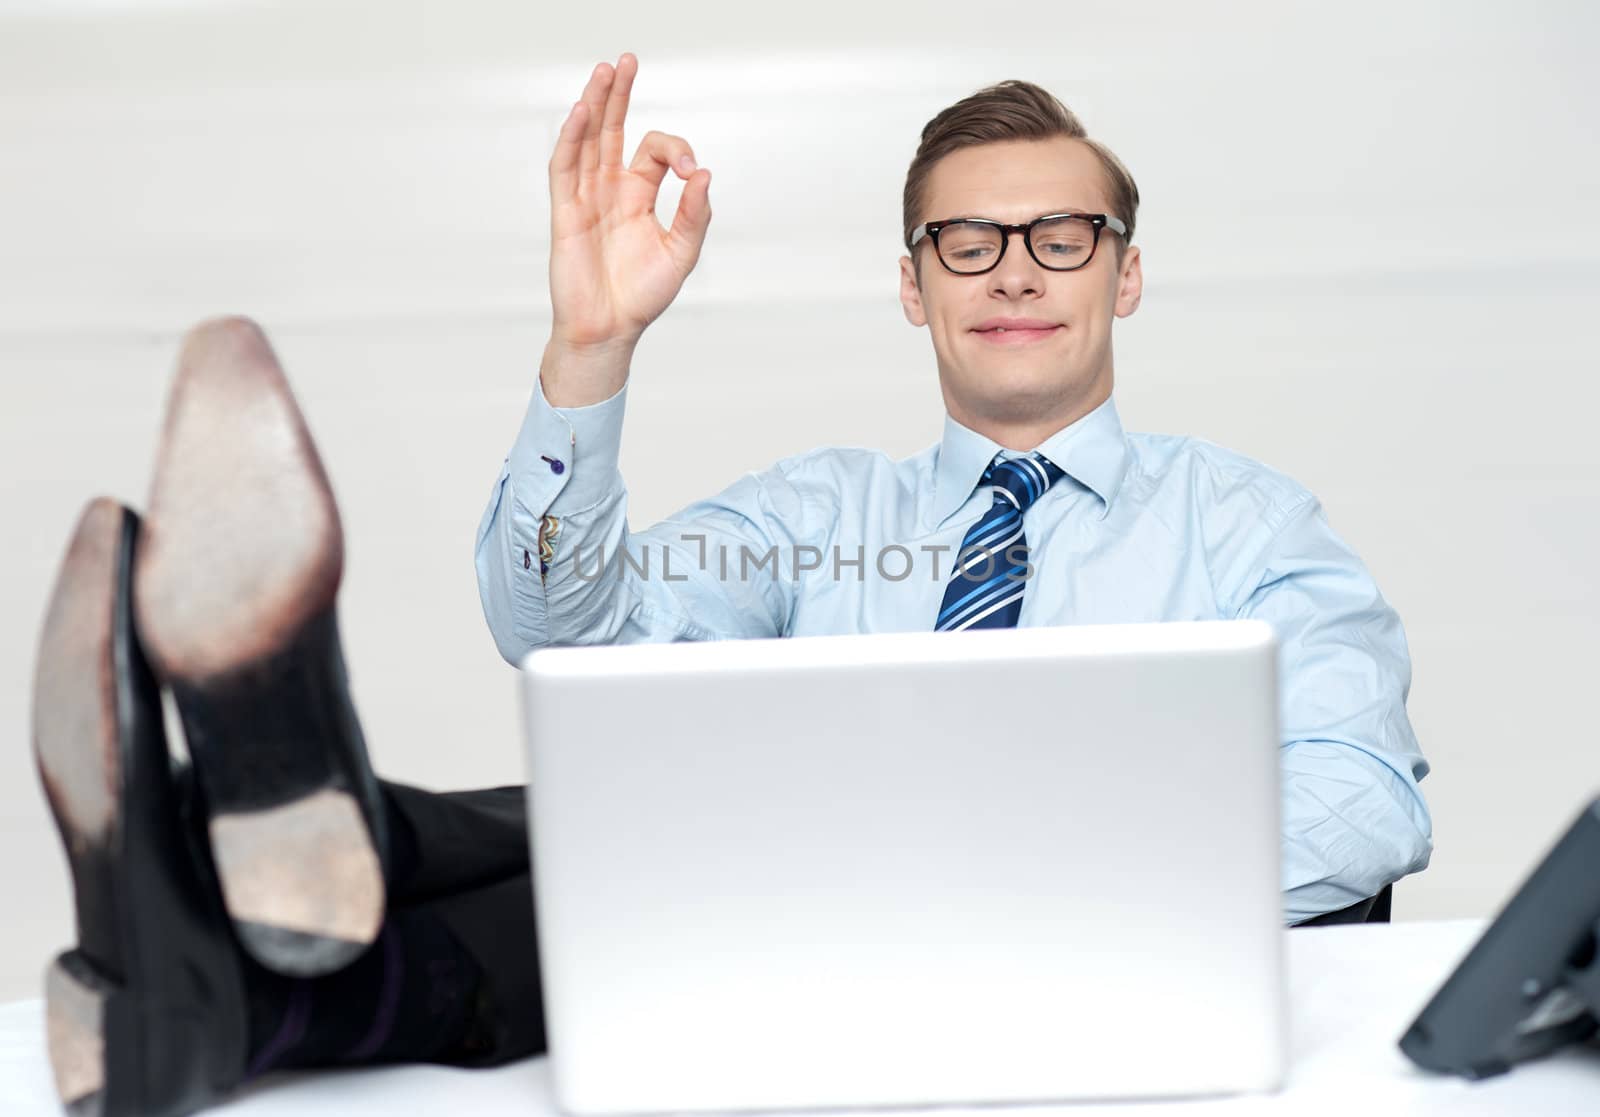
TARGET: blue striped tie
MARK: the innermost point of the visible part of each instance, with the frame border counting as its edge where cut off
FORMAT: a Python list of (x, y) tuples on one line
[(986, 589)]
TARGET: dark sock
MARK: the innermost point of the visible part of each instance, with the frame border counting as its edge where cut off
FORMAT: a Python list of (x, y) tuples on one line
[(414, 996)]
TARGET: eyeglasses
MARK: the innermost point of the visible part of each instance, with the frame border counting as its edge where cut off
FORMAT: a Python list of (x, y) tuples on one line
[(1057, 241)]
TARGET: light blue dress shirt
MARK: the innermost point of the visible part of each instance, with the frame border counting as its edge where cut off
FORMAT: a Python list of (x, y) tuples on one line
[(1143, 527)]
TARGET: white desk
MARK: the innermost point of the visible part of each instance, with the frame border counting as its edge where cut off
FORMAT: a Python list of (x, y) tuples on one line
[(1352, 992)]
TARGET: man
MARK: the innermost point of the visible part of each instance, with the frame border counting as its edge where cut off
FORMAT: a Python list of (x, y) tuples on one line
[(1019, 305), (272, 904)]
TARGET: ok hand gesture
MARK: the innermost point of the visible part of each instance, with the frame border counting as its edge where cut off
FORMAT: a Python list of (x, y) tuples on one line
[(613, 268)]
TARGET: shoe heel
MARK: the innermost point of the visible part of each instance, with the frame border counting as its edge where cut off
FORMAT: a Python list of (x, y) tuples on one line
[(118, 1054), (282, 768), (76, 1000), (290, 918)]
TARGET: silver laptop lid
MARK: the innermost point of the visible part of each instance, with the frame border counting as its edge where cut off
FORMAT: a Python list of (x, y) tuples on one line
[(921, 868)]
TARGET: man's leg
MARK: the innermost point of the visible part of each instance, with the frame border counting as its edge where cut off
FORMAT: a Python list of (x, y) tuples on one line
[(446, 842), (157, 1011), (454, 981), (454, 975), (495, 926)]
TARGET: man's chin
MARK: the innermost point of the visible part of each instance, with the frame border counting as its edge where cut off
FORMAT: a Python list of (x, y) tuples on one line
[(1016, 394), (1019, 388)]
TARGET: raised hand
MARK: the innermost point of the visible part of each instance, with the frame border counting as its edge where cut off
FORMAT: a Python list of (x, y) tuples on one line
[(613, 268)]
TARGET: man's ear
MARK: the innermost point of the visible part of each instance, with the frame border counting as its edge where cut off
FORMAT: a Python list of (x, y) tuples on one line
[(1130, 283), (911, 294)]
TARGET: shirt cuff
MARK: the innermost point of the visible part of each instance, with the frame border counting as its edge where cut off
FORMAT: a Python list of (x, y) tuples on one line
[(568, 454)]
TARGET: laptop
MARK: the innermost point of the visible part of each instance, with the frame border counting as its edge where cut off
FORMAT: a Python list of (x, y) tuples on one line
[(1026, 865)]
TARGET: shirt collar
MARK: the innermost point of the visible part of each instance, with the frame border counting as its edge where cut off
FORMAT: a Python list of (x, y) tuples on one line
[(1092, 451)]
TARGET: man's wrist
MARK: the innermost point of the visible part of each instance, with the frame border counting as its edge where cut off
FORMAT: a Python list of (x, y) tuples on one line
[(576, 374)]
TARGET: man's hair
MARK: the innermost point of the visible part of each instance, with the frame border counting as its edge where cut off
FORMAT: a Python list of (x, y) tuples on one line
[(1011, 110)]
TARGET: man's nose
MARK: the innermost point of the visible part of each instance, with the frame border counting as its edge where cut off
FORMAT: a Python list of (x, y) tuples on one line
[(1017, 273)]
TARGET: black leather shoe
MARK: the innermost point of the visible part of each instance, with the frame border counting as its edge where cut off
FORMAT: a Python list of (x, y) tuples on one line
[(239, 562), (147, 1016)]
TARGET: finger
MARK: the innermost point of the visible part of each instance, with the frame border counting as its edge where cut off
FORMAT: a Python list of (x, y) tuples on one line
[(657, 152), (594, 95), (617, 112), (693, 218), (564, 163)]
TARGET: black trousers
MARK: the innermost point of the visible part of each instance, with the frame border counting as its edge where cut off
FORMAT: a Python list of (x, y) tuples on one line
[(463, 856)]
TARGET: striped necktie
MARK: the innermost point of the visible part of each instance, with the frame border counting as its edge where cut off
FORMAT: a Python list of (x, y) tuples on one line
[(986, 589)]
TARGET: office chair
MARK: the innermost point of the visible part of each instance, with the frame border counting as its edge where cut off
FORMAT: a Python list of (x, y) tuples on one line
[(1374, 909)]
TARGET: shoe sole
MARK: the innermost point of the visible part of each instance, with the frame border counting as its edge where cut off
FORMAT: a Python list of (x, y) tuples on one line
[(145, 1017), (236, 575), (76, 749)]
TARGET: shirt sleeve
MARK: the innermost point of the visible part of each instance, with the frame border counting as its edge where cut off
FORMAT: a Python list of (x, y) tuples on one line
[(557, 564), (1354, 819)]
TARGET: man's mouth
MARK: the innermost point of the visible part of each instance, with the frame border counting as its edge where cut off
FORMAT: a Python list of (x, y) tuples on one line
[(1015, 335)]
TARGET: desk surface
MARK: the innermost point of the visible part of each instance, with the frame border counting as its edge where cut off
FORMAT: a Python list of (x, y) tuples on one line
[(1352, 991)]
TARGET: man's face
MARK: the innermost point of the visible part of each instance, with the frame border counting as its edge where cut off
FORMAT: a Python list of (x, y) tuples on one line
[(1021, 382)]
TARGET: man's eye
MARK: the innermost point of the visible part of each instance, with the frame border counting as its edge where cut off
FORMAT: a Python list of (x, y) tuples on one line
[(1063, 249)]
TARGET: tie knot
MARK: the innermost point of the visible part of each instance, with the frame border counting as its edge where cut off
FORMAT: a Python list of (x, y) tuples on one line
[(1022, 480)]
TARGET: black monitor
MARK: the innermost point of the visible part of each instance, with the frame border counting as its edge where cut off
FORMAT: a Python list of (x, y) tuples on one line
[(1531, 984)]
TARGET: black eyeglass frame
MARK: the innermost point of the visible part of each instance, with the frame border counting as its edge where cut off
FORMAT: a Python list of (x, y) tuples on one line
[(1097, 220)]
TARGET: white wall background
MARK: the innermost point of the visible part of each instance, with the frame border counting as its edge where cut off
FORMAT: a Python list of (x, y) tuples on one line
[(1371, 251)]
